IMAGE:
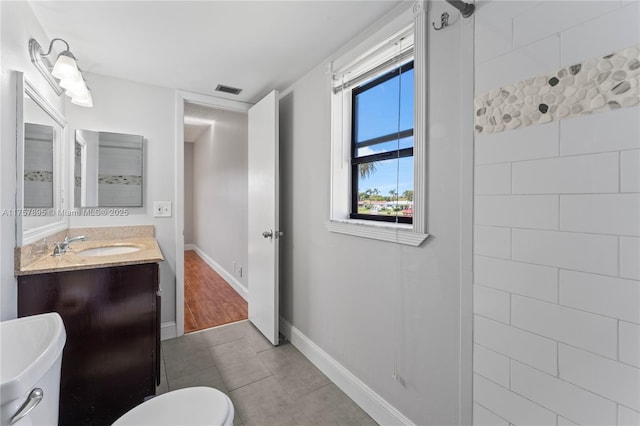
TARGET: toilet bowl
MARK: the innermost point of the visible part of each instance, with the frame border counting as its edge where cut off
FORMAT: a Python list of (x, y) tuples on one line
[(185, 407)]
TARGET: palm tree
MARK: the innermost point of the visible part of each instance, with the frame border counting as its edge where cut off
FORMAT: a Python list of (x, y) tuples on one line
[(366, 169), (408, 195)]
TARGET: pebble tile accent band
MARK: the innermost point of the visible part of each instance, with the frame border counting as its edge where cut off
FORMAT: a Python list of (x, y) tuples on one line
[(120, 179), (38, 176), (595, 85)]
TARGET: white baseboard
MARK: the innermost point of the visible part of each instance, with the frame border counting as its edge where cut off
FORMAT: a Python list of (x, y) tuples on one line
[(189, 247), (168, 330), (372, 403), (233, 282)]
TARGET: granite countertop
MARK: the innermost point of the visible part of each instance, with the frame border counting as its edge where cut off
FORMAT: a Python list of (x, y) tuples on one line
[(149, 252)]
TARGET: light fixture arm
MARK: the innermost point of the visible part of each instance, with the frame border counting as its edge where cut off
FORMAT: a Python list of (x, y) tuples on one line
[(43, 65), (51, 48)]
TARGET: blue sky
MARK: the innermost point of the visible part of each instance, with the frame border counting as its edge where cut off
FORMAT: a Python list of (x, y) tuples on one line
[(380, 113)]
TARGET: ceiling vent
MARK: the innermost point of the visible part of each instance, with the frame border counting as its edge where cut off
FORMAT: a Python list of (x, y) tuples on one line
[(228, 89)]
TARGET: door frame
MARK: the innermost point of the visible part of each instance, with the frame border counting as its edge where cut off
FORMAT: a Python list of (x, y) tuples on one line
[(208, 101)]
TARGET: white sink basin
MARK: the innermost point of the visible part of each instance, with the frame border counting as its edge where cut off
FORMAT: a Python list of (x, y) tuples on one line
[(30, 346), (108, 251)]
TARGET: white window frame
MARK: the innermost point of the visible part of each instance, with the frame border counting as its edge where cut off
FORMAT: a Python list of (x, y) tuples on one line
[(340, 201)]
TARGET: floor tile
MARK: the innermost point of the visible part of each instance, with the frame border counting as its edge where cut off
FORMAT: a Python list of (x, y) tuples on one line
[(188, 363), (209, 377), (182, 346), (256, 339), (297, 375), (330, 406), (226, 333), (261, 400), (238, 364)]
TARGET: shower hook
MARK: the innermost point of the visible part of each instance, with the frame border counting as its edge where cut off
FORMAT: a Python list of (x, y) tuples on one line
[(444, 22)]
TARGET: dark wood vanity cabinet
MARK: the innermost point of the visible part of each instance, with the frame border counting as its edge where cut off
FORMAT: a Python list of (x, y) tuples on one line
[(111, 359)]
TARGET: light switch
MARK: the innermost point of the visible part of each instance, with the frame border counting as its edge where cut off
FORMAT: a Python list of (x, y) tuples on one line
[(162, 208)]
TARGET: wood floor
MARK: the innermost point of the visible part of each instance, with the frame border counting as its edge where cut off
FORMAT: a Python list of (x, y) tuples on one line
[(209, 300)]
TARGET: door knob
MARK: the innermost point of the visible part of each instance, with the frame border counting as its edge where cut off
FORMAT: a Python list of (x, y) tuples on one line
[(267, 234)]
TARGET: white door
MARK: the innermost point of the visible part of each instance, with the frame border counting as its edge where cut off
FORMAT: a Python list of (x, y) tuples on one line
[(263, 216)]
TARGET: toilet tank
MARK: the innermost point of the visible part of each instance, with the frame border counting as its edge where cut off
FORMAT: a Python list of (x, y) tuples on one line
[(31, 358)]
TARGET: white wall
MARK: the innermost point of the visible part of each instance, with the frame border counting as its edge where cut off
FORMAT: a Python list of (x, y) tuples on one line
[(122, 106), (188, 193), (556, 291), (372, 306), (220, 191), (18, 25)]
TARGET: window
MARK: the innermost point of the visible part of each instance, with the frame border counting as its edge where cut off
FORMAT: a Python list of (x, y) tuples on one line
[(382, 147), (378, 128)]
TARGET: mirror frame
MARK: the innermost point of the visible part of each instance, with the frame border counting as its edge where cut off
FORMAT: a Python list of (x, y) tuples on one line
[(60, 222)]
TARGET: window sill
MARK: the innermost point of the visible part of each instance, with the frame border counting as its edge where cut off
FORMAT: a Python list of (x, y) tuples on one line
[(394, 233)]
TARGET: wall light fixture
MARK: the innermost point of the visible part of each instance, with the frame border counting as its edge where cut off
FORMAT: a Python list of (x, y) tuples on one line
[(64, 76)]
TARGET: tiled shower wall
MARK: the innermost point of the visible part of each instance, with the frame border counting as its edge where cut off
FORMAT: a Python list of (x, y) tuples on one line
[(557, 227)]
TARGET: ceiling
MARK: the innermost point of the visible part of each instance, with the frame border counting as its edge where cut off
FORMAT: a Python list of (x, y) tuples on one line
[(196, 45)]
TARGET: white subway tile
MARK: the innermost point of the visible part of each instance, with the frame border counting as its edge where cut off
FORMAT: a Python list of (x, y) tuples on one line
[(510, 406), (536, 281), (630, 171), (594, 333), (630, 343), (519, 211), (565, 422), (604, 132), (502, 10), (627, 416), (601, 36), (539, 58), (568, 250), (492, 241), (491, 303), (528, 348), (491, 365), (612, 297), (492, 39), (595, 173), (608, 378), (577, 404), (527, 143), (557, 16), (484, 417), (492, 179), (629, 258), (602, 214)]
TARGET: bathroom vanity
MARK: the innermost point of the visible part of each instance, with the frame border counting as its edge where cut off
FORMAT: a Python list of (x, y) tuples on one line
[(110, 306)]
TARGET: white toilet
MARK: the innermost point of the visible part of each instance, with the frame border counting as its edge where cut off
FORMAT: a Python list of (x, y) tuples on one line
[(31, 359), (30, 363), (185, 407)]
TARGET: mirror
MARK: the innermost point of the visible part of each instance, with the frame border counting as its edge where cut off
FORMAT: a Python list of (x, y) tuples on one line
[(40, 135), (108, 169), (38, 165)]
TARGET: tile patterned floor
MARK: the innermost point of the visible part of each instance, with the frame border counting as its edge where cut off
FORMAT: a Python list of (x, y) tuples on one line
[(268, 385)]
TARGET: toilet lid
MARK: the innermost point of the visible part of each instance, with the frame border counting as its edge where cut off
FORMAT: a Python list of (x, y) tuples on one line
[(184, 407)]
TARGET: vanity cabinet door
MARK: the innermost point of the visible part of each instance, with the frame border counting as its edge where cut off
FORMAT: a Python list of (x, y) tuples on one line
[(110, 357)]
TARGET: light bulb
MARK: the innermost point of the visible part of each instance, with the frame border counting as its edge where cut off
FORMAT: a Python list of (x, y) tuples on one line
[(66, 67), (84, 101)]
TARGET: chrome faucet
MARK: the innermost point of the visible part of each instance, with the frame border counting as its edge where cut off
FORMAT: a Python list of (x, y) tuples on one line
[(61, 248)]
